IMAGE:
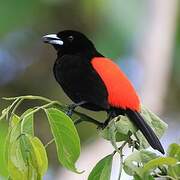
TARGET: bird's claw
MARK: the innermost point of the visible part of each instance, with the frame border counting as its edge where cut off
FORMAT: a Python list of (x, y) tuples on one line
[(70, 110), (72, 107)]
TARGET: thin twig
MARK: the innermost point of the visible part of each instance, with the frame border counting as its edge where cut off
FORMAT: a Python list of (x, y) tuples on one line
[(78, 121), (30, 97), (120, 151), (48, 143), (15, 107), (85, 118), (121, 158), (10, 107), (121, 165), (27, 97), (162, 176)]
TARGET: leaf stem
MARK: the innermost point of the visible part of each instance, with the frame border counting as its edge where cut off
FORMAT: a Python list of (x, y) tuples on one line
[(34, 111), (30, 97)]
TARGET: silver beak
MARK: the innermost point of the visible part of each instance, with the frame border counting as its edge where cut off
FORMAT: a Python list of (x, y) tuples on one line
[(52, 39)]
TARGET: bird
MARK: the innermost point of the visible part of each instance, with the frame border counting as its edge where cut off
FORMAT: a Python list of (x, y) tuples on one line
[(95, 82)]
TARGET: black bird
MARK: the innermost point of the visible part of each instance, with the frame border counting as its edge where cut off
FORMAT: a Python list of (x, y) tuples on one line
[(95, 82)]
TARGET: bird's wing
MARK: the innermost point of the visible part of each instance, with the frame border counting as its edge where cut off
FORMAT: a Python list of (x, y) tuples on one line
[(120, 90), (81, 82)]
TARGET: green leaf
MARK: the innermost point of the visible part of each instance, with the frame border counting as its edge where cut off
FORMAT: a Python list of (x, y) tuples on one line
[(13, 156), (16, 165), (134, 162), (3, 134), (3, 114), (26, 155), (174, 152), (66, 138), (125, 126), (102, 170), (137, 177), (40, 155), (154, 163), (27, 158), (147, 177), (121, 127), (174, 171), (158, 126), (110, 133), (106, 133), (141, 163), (34, 154), (28, 122), (14, 129)]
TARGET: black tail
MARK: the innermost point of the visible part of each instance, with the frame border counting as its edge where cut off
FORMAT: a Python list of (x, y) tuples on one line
[(145, 129)]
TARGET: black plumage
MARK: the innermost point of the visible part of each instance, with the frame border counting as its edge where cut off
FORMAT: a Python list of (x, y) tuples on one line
[(73, 70)]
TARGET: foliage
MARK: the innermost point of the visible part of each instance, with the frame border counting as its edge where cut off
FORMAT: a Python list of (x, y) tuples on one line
[(66, 138), (102, 170), (24, 155)]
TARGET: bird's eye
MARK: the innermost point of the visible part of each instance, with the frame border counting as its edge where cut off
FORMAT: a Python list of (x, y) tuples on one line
[(70, 38)]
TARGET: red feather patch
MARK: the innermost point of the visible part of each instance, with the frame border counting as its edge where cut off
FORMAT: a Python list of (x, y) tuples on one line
[(120, 90)]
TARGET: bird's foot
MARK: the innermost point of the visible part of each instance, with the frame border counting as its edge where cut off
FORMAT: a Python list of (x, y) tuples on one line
[(72, 107)]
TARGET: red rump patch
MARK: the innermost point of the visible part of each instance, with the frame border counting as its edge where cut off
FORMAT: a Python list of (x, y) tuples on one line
[(120, 90)]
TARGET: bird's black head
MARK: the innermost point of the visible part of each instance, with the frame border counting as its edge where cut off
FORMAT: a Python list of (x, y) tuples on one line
[(69, 42)]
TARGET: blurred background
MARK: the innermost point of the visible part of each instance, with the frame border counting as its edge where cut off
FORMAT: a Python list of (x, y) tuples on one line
[(142, 36)]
